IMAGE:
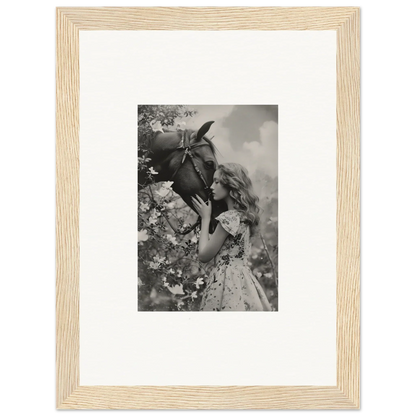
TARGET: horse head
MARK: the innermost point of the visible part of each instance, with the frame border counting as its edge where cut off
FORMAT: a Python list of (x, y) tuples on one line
[(187, 158)]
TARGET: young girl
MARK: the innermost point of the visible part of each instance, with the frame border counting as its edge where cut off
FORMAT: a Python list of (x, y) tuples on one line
[(231, 285)]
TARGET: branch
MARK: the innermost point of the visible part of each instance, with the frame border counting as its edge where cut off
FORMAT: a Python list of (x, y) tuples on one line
[(272, 264)]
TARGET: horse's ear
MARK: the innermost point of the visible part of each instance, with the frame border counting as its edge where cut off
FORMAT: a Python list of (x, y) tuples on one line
[(203, 130)]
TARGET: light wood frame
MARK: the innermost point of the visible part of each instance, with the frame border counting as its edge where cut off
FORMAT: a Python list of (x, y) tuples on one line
[(69, 393)]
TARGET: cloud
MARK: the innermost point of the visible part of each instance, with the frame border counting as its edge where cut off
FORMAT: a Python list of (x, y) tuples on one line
[(263, 154), (253, 155)]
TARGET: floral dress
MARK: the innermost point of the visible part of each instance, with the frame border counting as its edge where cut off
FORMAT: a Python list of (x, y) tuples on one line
[(231, 285)]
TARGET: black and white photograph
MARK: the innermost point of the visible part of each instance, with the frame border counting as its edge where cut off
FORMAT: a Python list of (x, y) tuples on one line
[(208, 208)]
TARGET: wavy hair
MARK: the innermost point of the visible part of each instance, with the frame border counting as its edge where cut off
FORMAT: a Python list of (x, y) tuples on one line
[(234, 177)]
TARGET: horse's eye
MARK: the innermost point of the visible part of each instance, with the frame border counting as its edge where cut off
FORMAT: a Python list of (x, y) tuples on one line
[(210, 164)]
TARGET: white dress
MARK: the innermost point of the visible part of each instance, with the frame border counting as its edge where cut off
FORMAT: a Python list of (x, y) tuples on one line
[(231, 285)]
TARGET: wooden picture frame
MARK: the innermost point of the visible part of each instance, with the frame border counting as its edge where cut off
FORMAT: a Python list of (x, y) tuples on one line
[(69, 393)]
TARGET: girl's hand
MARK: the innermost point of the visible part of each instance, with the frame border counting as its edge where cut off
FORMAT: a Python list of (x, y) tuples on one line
[(202, 208)]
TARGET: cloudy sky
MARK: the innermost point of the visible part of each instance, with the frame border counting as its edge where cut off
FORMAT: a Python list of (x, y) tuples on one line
[(245, 134)]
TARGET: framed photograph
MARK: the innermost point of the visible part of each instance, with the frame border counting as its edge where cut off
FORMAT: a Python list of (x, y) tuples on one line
[(208, 160)]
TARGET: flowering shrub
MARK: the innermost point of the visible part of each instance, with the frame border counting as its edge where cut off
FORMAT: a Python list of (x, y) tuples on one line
[(170, 274)]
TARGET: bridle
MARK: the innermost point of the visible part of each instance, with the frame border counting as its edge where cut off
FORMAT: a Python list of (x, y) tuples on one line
[(188, 147)]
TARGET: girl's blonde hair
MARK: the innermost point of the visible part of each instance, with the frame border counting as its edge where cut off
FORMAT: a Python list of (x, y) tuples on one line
[(234, 177)]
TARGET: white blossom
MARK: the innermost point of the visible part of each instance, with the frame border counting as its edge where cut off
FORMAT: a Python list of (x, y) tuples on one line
[(199, 281), (153, 265), (171, 239), (155, 213), (158, 259), (142, 235), (144, 206), (167, 184), (162, 192), (152, 220), (176, 290), (156, 126), (181, 125)]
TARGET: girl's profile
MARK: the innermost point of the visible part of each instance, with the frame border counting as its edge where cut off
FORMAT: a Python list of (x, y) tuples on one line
[(231, 285)]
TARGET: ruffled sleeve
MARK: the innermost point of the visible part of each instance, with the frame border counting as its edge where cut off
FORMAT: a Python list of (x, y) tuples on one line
[(230, 221)]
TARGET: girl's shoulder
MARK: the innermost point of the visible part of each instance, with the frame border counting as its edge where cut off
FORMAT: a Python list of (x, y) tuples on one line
[(230, 221)]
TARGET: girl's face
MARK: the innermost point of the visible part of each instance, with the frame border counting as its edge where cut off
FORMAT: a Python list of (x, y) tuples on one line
[(218, 190)]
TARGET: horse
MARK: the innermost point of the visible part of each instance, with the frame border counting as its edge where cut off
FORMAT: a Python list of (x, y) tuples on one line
[(188, 159)]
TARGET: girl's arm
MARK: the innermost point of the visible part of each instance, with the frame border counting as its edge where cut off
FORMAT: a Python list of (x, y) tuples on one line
[(209, 247)]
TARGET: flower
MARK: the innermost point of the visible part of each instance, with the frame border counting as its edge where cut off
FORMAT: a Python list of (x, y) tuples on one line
[(194, 239), (164, 189), (155, 213), (258, 274), (167, 184), (180, 304), (199, 281), (158, 259), (181, 125), (152, 221), (268, 275), (171, 239), (144, 206), (162, 192), (142, 235), (176, 290), (152, 171), (153, 265), (179, 273), (184, 227), (139, 281), (156, 126), (194, 295)]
